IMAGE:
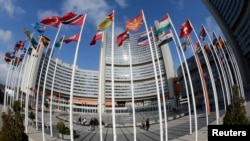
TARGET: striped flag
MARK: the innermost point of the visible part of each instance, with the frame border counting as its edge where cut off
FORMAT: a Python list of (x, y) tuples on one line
[(72, 38), (72, 19), (164, 25), (106, 22), (165, 38), (143, 38), (98, 36)]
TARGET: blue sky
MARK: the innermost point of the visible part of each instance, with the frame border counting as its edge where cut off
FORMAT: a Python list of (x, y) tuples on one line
[(18, 14)]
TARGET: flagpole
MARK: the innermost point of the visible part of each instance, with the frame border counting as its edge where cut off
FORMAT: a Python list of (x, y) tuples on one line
[(227, 68), (6, 87), (162, 86), (156, 79), (100, 83), (21, 70), (52, 89), (221, 67), (132, 89), (112, 83), (218, 69), (20, 78), (72, 82), (211, 76), (15, 83), (37, 50), (38, 89), (237, 69), (190, 82), (185, 81)]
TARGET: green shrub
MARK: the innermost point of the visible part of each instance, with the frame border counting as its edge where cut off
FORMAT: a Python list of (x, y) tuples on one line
[(236, 112), (60, 126)]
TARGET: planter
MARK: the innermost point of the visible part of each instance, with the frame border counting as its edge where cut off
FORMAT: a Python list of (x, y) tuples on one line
[(63, 136), (66, 137)]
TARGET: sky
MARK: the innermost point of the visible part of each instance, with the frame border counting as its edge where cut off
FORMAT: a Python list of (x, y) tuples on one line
[(15, 15)]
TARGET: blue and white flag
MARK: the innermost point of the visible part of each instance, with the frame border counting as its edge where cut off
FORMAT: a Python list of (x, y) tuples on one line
[(143, 38)]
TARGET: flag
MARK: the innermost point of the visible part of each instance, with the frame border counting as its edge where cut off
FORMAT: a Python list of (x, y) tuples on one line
[(165, 38), (122, 37), (19, 45), (39, 28), (202, 34), (30, 37), (44, 40), (53, 21), (135, 23), (72, 38), (185, 44), (164, 25), (106, 22), (98, 36), (72, 19), (59, 43), (198, 48), (143, 38), (220, 44), (186, 29)]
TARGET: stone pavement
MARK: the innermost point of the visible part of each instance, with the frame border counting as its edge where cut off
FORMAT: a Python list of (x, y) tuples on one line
[(178, 130)]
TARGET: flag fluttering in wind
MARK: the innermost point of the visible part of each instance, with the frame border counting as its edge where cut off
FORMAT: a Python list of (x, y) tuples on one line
[(185, 44), (165, 38), (39, 27), (72, 38), (97, 36), (202, 34), (9, 56), (186, 29), (122, 37), (106, 22), (30, 37), (59, 43), (19, 45), (44, 40), (72, 19), (164, 25), (220, 44), (143, 38), (53, 21), (135, 23)]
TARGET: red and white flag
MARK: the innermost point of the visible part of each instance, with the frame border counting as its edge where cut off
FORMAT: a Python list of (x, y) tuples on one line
[(186, 29)]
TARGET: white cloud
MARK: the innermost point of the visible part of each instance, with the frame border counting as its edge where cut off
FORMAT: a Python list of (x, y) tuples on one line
[(46, 13), (96, 9), (5, 35), (179, 4), (121, 3), (4, 68), (9, 7)]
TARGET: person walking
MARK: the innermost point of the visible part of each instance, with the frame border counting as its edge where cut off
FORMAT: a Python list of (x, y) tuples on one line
[(147, 124)]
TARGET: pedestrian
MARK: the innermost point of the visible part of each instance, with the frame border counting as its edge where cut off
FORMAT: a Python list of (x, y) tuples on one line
[(147, 124)]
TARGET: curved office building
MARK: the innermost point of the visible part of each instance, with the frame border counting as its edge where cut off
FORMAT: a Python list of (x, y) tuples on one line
[(136, 73)]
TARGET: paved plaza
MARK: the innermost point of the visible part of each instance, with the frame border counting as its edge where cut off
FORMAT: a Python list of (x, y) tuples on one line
[(178, 129)]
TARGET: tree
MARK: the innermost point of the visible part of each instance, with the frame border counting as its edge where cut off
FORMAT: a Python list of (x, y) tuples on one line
[(13, 128), (236, 112)]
